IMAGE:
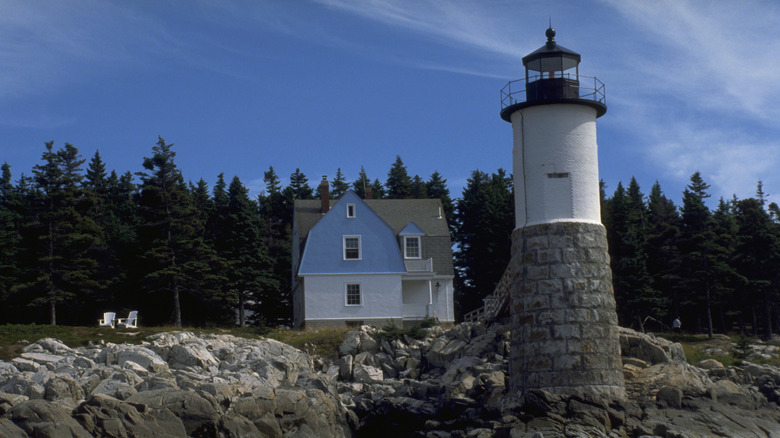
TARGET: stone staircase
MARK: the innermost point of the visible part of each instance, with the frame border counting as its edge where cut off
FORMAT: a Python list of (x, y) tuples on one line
[(494, 304)]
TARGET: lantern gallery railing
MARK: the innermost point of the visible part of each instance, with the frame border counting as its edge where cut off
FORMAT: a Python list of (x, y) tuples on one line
[(576, 87)]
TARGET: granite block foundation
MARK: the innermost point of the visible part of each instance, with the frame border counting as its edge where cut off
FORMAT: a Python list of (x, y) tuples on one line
[(564, 325)]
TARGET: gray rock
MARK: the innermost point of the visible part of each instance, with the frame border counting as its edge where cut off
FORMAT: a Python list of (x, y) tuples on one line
[(60, 387), (649, 348), (367, 374), (729, 393), (345, 367), (9, 430), (350, 345), (49, 345), (23, 364), (444, 351), (40, 418), (198, 411), (102, 415), (709, 364), (669, 396)]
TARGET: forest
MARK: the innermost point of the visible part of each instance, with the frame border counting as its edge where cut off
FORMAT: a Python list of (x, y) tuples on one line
[(77, 239)]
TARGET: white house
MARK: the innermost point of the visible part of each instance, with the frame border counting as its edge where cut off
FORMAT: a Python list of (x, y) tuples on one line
[(373, 261)]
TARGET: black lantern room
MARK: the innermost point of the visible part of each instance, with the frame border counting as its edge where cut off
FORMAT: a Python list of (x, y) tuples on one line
[(552, 72), (552, 75)]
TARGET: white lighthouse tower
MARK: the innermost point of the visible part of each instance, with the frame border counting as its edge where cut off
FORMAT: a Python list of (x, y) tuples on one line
[(564, 326)]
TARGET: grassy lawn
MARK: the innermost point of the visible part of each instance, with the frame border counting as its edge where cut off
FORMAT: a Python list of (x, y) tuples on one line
[(14, 337), (694, 346)]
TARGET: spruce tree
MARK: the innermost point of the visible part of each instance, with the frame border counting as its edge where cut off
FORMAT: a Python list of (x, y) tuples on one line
[(637, 299), (176, 258), (299, 187), (249, 269), (726, 278), (484, 219), (276, 216), (10, 240), (436, 187), (361, 183), (757, 255), (699, 248), (378, 190), (64, 272), (339, 186), (419, 188), (399, 184), (663, 254)]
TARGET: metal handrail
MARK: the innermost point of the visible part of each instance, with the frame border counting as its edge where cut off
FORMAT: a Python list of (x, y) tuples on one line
[(595, 92)]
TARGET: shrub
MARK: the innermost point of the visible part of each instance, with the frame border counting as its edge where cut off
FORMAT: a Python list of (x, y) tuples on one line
[(742, 347)]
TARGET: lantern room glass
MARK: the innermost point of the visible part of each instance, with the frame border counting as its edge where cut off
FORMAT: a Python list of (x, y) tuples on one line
[(552, 67)]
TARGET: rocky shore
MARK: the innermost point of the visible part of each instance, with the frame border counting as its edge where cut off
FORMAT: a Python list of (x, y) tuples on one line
[(450, 384)]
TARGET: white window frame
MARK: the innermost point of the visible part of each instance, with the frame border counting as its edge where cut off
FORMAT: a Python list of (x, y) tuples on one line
[(351, 211), (419, 247), (359, 248), (360, 294)]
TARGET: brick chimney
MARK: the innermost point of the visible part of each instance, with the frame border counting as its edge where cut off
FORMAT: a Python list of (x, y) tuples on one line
[(324, 195), (369, 193)]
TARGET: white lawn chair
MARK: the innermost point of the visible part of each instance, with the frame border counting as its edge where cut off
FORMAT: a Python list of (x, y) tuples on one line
[(108, 320), (130, 322)]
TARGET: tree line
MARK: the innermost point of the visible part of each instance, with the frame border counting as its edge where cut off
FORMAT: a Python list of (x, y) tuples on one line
[(716, 269), (77, 240)]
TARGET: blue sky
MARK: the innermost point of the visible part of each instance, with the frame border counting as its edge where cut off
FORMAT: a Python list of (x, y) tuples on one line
[(239, 86)]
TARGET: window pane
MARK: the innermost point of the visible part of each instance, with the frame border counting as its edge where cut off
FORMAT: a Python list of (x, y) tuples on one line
[(353, 294), (412, 247), (351, 248)]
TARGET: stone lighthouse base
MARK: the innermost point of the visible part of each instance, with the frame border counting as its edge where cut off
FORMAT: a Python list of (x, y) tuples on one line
[(564, 326)]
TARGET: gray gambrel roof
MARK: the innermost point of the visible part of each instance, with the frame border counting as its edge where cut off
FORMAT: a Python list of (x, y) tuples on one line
[(427, 214)]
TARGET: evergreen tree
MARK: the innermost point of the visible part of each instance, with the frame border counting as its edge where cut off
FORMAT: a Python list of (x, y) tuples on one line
[(201, 200), (119, 267), (249, 269), (9, 241), (484, 219), (276, 215), (399, 184), (726, 278), (65, 273), (699, 248), (419, 188), (378, 190), (634, 292), (436, 187), (361, 183), (663, 254), (299, 187), (177, 260), (757, 255), (339, 186)]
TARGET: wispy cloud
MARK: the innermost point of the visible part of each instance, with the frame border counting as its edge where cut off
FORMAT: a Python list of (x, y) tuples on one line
[(707, 99), (49, 47), (454, 23), (717, 57)]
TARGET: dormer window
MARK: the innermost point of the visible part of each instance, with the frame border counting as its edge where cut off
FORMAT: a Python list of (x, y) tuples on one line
[(412, 247), (350, 210)]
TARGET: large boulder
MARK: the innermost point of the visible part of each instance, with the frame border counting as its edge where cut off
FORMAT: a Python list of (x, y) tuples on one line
[(649, 348), (198, 411), (40, 418), (102, 415)]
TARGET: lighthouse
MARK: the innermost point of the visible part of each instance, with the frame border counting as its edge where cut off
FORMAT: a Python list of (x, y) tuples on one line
[(564, 325)]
